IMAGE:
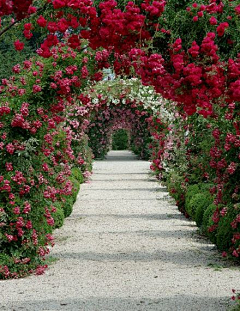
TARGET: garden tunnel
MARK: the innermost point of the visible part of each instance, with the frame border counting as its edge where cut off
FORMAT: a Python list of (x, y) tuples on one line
[(54, 150), (116, 117), (57, 101)]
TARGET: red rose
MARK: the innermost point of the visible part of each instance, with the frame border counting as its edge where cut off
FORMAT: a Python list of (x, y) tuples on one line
[(19, 46), (42, 22)]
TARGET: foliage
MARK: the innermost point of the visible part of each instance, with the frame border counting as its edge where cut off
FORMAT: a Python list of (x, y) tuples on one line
[(58, 216), (77, 174), (225, 231), (68, 206), (199, 201), (8, 54), (235, 297), (208, 222), (204, 202), (177, 189), (120, 140), (75, 189), (180, 20)]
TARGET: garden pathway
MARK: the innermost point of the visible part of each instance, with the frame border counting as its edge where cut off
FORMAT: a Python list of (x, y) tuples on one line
[(125, 248)]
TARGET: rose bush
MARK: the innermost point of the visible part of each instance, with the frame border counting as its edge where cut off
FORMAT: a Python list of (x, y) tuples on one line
[(37, 154)]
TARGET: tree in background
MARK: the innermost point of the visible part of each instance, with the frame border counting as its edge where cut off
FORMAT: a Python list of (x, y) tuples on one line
[(120, 140)]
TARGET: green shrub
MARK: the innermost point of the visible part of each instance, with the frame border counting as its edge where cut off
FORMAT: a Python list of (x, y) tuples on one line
[(208, 222), (70, 199), (68, 205), (120, 140), (58, 216), (76, 188), (201, 208), (175, 186), (225, 232), (6, 260), (236, 307), (77, 174), (191, 191), (82, 149), (200, 202)]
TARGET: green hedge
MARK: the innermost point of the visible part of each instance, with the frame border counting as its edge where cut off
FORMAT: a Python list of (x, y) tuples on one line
[(77, 174), (208, 222), (197, 205), (225, 231), (120, 140), (58, 216)]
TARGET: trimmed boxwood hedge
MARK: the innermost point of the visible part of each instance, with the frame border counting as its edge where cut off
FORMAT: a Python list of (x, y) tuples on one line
[(225, 231), (68, 205), (70, 200), (58, 216), (199, 202), (77, 174), (208, 222)]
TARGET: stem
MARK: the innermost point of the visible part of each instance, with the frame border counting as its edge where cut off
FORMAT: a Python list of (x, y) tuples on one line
[(26, 18), (8, 27)]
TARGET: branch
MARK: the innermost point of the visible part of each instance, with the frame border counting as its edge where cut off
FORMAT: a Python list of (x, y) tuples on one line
[(26, 18), (8, 27)]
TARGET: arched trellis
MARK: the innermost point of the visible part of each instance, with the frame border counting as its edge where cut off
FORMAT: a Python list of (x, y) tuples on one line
[(44, 145), (121, 103)]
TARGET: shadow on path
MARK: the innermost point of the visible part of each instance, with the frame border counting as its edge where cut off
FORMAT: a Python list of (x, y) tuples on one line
[(178, 302), (137, 216), (185, 258)]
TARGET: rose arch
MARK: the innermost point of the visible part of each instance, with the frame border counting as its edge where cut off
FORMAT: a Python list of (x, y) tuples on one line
[(56, 104)]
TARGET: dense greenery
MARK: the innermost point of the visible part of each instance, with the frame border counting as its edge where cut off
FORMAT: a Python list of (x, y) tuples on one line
[(120, 140)]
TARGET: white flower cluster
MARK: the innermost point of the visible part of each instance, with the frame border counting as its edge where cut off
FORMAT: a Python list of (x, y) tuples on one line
[(123, 90)]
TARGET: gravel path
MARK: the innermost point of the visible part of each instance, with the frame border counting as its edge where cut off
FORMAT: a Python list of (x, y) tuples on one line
[(125, 248)]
